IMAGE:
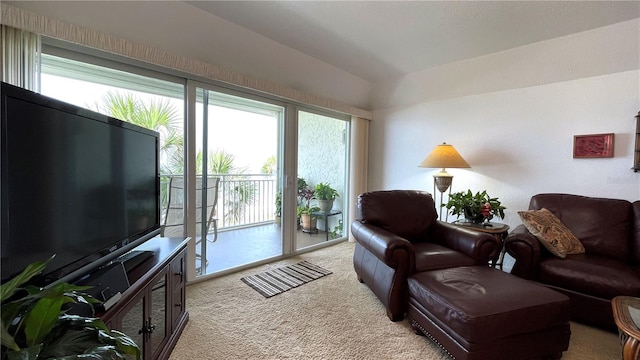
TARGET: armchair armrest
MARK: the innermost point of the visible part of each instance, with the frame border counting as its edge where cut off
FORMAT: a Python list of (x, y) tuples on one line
[(525, 249), (481, 247), (390, 248)]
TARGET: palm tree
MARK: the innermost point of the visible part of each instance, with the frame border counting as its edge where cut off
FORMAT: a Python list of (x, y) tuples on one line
[(237, 195), (161, 116), (222, 162), (269, 166), (156, 114)]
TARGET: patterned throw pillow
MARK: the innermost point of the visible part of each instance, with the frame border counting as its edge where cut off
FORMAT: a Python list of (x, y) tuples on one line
[(551, 232)]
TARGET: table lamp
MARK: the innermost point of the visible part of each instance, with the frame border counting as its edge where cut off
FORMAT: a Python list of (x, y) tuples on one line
[(443, 156)]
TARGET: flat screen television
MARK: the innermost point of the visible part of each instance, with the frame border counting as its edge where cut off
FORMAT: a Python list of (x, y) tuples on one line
[(74, 183)]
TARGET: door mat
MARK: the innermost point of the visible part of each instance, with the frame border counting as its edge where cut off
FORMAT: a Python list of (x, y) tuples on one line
[(274, 282)]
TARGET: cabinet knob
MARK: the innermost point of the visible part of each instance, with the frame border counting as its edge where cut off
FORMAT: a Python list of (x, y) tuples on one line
[(179, 273), (178, 304), (148, 327)]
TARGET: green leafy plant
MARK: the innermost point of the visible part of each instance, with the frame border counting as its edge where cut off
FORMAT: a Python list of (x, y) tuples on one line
[(159, 115), (35, 324), (325, 192), (337, 230), (304, 206), (269, 166), (305, 195), (278, 203), (475, 207), (236, 191), (302, 185)]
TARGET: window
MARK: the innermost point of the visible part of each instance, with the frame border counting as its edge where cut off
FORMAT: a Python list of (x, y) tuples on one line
[(250, 192)]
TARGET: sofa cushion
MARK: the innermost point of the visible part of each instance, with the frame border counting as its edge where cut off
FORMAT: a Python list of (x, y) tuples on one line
[(595, 275), (551, 232)]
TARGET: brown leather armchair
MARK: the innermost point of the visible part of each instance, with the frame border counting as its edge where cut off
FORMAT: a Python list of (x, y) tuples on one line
[(609, 230), (397, 234)]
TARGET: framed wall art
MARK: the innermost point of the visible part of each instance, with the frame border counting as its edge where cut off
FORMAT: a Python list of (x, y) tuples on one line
[(593, 146)]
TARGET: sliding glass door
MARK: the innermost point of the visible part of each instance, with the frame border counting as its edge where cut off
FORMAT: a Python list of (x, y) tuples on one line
[(237, 175), (245, 210), (322, 177), (238, 170)]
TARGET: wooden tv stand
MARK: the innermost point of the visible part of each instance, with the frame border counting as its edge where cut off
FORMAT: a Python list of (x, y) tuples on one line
[(152, 310)]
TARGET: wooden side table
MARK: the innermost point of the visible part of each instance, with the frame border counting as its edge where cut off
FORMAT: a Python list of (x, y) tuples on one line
[(625, 308), (498, 230)]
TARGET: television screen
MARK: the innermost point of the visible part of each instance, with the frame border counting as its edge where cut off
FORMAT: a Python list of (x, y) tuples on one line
[(75, 183)]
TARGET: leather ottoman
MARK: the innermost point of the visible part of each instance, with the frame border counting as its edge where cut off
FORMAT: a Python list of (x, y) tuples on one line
[(476, 312)]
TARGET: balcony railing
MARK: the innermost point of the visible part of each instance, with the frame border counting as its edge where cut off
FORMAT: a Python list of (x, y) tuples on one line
[(243, 199)]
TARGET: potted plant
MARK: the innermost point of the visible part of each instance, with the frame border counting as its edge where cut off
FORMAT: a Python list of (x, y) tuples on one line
[(305, 210), (325, 195), (278, 212), (302, 186), (35, 324), (475, 208)]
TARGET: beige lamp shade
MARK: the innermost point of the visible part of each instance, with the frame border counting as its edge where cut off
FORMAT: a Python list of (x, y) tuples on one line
[(444, 156)]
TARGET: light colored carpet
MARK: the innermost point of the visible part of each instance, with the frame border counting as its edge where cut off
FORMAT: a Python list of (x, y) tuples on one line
[(334, 317)]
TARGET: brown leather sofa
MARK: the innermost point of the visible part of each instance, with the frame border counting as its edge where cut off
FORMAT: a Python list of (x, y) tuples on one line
[(397, 234), (609, 230)]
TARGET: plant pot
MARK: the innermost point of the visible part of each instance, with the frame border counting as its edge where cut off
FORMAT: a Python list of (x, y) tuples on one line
[(278, 220), (309, 223), (325, 205), (473, 218)]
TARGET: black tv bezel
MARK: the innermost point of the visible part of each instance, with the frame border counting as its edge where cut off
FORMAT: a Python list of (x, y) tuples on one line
[(91, 261)]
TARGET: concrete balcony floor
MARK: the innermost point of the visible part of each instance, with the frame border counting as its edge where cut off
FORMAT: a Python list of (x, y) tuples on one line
[(238, 247)]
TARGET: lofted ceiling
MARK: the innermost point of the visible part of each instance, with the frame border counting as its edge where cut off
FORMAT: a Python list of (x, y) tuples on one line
[(377, 40)]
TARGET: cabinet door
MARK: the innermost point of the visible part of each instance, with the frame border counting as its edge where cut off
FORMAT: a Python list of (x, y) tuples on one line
[(146, 312), (131, 320), (178, 277), (157, 318)]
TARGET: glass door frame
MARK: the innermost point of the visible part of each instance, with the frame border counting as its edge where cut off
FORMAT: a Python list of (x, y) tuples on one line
[(345, 207), (190, 171)]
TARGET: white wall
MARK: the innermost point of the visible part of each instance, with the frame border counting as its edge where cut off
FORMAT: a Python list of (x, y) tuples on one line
[(321, 151), (519, 141), (322, 156)]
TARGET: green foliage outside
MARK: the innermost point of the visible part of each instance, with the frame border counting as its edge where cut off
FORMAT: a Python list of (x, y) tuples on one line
[(240, 193), (162, 117), (305, 195), (337, 230), (157, 115), (278, 212), (325, 192), (269, 166)]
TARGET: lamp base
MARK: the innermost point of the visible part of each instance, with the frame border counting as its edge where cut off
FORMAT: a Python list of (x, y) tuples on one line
[(442, 181)]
